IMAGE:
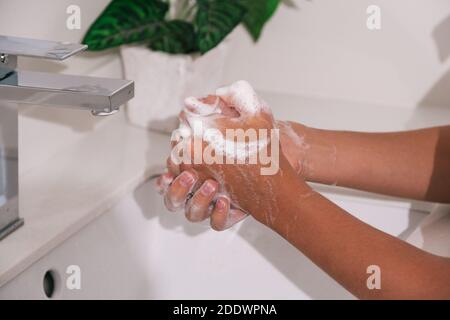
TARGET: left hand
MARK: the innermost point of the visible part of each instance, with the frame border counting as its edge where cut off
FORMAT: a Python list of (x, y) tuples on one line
[(240, 186)]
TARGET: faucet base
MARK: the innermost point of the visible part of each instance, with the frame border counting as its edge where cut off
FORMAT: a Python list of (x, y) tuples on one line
[(13, 226)]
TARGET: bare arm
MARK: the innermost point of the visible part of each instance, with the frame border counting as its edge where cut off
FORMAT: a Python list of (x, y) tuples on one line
[(412, 164), (344, 247), (340, 244)]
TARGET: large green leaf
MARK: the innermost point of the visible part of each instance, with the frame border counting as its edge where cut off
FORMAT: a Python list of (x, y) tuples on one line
[(215, 20), (126, 21), (174, 37), (258, 13)]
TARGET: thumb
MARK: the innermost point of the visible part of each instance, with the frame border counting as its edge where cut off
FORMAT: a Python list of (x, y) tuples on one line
[(242, 97)]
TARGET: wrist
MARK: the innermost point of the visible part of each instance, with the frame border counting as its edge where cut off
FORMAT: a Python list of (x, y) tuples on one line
[(292, 209), (289, 192), (293, 144), (311, 152)]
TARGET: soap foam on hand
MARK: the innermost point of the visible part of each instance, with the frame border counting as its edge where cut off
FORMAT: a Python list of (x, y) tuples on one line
[(202, 107), (242, 96), (234, 101), (204, 110), (239, 101)]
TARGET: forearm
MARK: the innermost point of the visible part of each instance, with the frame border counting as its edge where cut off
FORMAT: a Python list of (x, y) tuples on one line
[(345, 247), (413, 164)]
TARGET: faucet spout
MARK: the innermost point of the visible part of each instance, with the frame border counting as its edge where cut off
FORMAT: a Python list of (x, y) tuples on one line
[(102, 96)]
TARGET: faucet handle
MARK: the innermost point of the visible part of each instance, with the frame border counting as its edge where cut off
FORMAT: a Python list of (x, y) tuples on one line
[(43, 49)]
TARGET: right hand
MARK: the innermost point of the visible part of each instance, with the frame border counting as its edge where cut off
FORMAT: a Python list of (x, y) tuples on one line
[(182, 189)]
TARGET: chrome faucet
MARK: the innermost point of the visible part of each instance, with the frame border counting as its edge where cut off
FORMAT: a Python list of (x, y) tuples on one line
[(101, 96)]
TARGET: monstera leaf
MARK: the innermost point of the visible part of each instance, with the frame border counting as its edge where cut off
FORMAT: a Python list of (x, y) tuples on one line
[(145, 22), (215, 20), (174, 36), (126, 21), (258, 13)]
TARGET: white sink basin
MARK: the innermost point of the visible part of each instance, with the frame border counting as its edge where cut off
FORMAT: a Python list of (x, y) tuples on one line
[(139, 250)]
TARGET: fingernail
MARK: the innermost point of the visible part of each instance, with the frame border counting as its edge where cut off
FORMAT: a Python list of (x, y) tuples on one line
[(221, 204), (207, 189), (186, 179)]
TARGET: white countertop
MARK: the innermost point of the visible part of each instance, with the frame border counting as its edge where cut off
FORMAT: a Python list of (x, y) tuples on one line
[(85, 179), (76, 185)]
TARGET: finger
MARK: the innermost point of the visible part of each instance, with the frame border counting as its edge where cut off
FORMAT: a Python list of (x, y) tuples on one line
[(182, 132), (228, 110), (176, 195), (224, 217), (181, 142), (182, 117), (200, 206), (241, 96), (172, 167), (219, 215), (163, 181), (204, 107)]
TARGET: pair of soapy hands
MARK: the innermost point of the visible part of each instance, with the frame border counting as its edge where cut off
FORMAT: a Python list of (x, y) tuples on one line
[(227, 193)]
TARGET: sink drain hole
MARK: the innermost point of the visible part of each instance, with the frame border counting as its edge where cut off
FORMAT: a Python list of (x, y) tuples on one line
[(49, 284)]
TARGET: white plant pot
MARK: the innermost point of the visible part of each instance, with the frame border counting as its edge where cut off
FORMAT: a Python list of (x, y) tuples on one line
[(163, 81)]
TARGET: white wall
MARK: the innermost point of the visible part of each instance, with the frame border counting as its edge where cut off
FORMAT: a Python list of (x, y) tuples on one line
[(320, 48), (46, 19), (44, 131), (323, 48)]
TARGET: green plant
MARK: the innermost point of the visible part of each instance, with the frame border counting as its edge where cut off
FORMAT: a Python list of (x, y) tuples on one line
[(176, 26)]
